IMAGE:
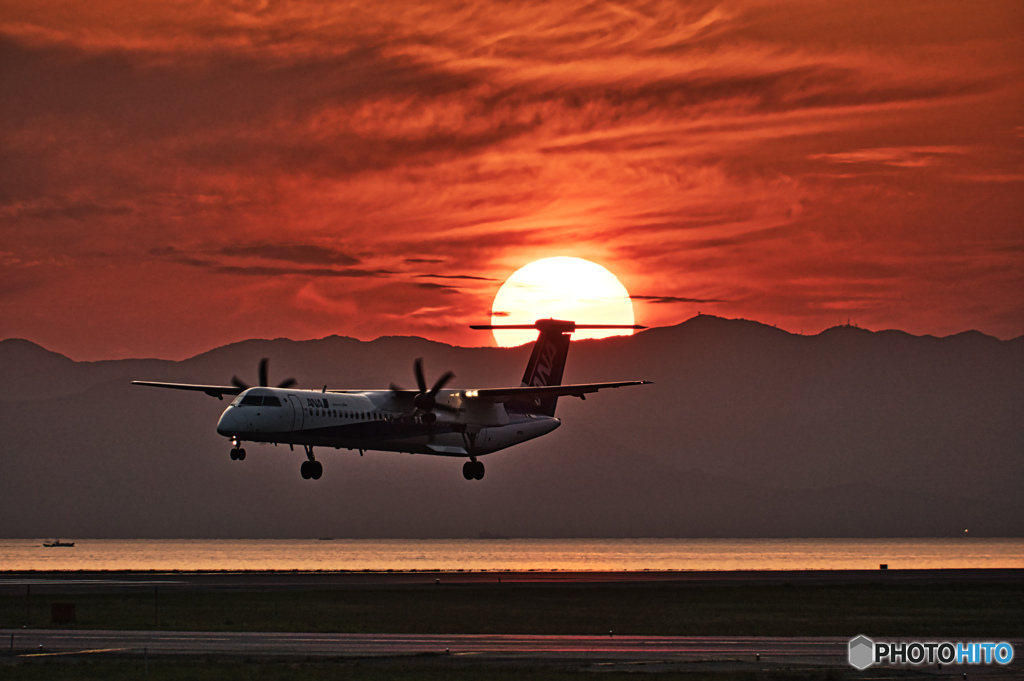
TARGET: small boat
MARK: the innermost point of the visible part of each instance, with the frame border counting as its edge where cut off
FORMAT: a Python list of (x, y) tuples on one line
[(57, 542)]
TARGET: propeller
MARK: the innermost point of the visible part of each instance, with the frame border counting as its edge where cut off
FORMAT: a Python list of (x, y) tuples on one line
[(242, 385), (425, 400)]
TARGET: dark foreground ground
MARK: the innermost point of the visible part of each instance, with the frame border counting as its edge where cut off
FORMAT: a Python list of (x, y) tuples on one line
[(460, 625)]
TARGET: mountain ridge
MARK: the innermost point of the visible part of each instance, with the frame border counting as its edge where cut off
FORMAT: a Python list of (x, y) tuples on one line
[(747, 430), (22, 343)]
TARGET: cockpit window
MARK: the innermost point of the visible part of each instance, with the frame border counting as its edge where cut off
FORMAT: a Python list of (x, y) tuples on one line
[(260, 400)]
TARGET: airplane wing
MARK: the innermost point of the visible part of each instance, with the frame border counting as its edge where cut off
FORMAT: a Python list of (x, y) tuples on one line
[(218, 391), (532, 392)]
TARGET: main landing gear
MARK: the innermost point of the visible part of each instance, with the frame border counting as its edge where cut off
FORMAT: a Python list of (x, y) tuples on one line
[(473, 470), (311, 468), (237, 453)]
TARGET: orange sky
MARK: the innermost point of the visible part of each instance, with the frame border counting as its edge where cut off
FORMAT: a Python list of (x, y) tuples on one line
[(178, 176)]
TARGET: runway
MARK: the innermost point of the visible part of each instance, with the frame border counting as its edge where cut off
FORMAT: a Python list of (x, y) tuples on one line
[(593, 653)]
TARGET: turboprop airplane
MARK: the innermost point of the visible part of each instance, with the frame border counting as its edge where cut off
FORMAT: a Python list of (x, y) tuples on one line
[(435, 420)]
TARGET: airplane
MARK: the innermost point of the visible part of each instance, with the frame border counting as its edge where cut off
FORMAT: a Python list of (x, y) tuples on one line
[(465, 423)]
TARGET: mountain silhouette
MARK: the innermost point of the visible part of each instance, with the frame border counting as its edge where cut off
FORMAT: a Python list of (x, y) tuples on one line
[(748, 431)]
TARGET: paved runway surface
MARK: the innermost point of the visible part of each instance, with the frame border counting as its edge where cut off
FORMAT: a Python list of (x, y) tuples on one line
[(588, 652)]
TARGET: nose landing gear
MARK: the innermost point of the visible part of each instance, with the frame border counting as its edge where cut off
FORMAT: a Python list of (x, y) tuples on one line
[(237, 453), (473, 470)]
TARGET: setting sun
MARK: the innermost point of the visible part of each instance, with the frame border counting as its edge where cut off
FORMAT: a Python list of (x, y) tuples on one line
[(561, 288)]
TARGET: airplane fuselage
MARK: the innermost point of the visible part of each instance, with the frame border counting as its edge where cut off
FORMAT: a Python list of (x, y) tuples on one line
[(372, 420)]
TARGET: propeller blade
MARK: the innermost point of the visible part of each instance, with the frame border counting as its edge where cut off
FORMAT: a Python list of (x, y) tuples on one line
[(418, 368), (441, 381), (242, 385), (424, 402)]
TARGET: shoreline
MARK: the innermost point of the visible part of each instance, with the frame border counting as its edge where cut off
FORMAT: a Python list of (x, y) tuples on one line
[(354, 578)]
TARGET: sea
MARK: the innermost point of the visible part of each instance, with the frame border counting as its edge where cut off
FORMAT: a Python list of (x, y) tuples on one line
[(498, 554)]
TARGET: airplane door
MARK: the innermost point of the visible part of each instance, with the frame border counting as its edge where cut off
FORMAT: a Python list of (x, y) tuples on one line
[(297, 412)]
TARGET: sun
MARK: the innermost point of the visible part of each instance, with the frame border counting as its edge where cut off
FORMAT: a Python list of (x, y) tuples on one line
[(567, 288)]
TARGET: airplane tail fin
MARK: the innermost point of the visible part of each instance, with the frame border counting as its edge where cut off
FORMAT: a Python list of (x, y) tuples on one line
[(547, 361)]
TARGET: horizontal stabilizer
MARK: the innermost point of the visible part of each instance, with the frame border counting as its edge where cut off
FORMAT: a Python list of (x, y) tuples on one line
[(559, 325), (534, 392)]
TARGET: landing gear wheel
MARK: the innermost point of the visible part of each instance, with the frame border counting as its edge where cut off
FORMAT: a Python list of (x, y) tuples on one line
[(473, 470), (238, 454), (311, 470)]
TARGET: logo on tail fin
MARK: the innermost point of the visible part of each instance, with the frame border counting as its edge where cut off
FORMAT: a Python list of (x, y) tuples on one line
[(547, 363), (541, 374)]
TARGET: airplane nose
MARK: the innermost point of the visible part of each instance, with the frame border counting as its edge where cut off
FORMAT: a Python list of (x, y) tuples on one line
[(231, 422)]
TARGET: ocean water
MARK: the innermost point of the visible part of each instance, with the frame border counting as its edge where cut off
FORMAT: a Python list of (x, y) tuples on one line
[(511, 554)]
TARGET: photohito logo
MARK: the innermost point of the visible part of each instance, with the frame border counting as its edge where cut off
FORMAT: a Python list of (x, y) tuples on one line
[(864, 652)]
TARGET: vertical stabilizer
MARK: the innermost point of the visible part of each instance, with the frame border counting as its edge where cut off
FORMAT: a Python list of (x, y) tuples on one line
[(547, 361), (546, 365)]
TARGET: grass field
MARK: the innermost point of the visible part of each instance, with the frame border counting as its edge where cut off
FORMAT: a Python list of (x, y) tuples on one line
[(962, 610)]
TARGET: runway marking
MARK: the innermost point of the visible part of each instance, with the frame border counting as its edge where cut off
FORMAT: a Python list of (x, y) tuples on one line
[(87, 582), (76, 652)]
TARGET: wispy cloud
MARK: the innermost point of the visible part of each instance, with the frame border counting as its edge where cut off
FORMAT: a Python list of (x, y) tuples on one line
[(903, 157), (664, 300), (267, 271), (762, 157), (454, 276), (292, 252)]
